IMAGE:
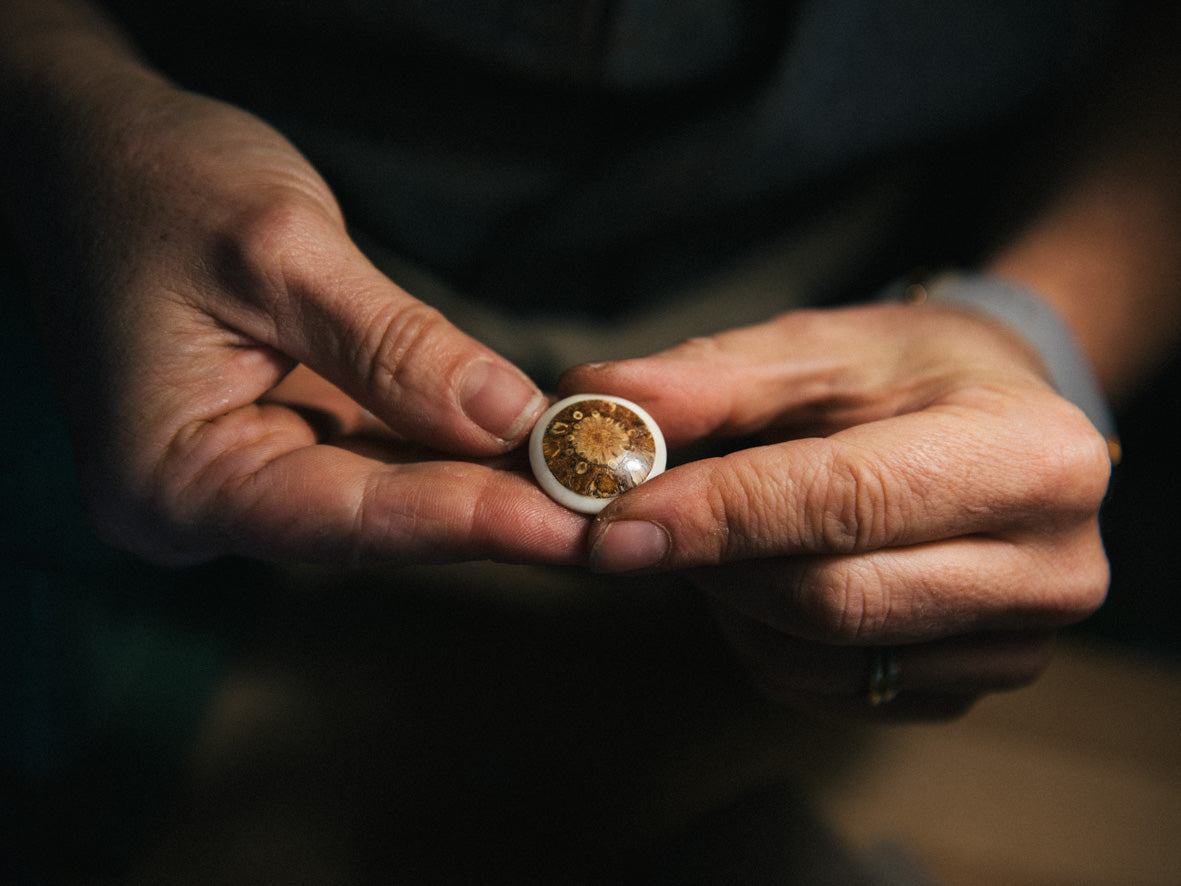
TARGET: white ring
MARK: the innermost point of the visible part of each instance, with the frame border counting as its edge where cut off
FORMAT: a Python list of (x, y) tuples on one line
[(587, 504)]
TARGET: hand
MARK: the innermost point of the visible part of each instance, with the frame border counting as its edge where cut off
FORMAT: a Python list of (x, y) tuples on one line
[(224, 348), (921, 487)]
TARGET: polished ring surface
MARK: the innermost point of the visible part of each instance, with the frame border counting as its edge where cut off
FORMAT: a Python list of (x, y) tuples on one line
[(589, 449), (885, 677)]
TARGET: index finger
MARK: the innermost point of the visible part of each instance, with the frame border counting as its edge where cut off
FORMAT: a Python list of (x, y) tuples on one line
[(946, 471), (257, 483)]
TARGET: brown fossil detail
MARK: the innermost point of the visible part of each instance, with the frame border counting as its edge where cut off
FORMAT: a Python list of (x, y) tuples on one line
[(598, 448)]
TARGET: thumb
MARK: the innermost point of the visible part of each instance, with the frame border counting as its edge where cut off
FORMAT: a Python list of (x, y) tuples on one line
[(398, 357)]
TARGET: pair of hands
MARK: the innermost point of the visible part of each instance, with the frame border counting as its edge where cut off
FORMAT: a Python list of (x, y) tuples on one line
[(241, 380)]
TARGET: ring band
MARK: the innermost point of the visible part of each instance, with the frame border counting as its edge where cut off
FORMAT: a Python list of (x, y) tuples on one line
[(885, 677)]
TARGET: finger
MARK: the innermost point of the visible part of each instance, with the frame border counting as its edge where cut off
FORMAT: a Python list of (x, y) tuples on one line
[(311, 294), (814, 370), (979, 662), (921, 593), (936, 679), (732, 383), (940, 473), (966, 665), (328, 409), (255, 482)]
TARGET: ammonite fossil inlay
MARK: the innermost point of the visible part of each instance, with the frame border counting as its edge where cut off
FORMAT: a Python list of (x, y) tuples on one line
[(588, 449)]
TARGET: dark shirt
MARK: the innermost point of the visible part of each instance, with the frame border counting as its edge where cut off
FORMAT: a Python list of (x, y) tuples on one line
[(523, 148)]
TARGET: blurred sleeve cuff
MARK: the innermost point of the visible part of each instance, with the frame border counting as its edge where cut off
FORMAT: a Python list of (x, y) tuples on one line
[(1029, 315)]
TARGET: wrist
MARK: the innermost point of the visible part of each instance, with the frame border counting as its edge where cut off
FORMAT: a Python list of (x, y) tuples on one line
[(66, 73), (1034, 319)]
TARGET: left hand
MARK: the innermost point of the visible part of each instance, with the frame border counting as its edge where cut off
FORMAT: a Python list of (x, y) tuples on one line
[(921, 487)]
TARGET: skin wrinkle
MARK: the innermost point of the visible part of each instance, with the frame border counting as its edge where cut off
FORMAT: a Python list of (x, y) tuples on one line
[(875, 502), (239, 349), (244, 497), (396, 510), (252, 266), (280, 263), (390, 348), (783, 590), (835, 606), (842, 611), (719, 499), (169, 488), (868, 605), (412, 512), (761, 504), (489, 512), (362, 534), (463, 517), (853, 502), (875, 611), (176, 507), (231, 447)]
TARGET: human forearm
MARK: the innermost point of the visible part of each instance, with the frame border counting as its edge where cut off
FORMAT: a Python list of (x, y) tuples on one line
[(1103, 247), (54, 53), (70, 84), (1106, 257)]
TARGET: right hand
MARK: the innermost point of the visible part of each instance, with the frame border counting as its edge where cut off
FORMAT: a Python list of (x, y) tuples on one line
[(919, 484), (223, 347)]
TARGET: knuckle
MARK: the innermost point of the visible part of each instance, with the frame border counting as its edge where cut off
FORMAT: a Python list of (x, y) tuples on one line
[(842, 602), (254, 254), (847, 506), (698, 348), (396, 339), (839, 503), (1072, 464), (405, 513), (742, 509), (1077, 578), (266, 229), (383, 511)]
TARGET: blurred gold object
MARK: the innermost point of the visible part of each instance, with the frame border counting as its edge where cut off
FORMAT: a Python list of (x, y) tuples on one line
[(885, 677)]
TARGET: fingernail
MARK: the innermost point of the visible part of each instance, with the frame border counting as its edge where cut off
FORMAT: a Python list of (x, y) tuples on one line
[(629, 545), (499, 399)]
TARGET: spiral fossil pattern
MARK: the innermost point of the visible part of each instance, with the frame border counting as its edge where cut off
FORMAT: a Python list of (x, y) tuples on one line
[(598, 448)]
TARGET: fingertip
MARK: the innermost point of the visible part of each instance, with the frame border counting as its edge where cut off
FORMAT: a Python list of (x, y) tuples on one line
[(689, 400), (583, 377), (630, 546)]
